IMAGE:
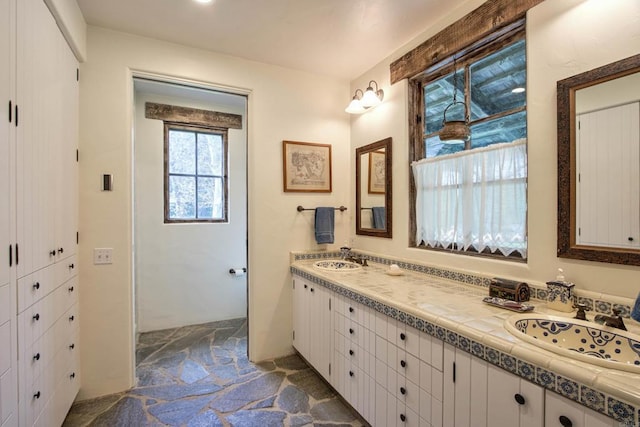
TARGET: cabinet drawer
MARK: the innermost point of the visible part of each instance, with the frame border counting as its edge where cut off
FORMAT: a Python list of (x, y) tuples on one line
[(5, 304), (408, 393), (35, 286), (66, 269)]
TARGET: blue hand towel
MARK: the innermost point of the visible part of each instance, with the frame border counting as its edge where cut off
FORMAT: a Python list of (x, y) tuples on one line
[(324, 225), (635, 312), (379, 217)]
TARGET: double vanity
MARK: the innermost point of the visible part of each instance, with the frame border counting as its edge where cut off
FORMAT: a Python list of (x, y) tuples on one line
[(421, 348)]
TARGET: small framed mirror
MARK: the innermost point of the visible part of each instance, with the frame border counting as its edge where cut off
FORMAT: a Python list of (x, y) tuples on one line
[(374, 189), (599, 164)]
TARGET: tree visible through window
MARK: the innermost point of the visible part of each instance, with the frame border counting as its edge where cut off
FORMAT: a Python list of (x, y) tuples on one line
[(195, 174)]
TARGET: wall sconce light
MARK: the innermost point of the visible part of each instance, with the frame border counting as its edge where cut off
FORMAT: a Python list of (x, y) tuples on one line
[(363, 101)]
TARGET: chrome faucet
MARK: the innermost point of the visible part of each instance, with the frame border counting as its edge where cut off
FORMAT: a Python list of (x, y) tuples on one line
[(358, 259), (614, 321)]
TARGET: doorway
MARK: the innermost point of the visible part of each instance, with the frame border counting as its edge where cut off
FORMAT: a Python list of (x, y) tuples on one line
[(183, 270)]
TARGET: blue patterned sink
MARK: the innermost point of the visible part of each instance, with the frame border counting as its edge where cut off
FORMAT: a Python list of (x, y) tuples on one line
[(585, 341), (337, 265)]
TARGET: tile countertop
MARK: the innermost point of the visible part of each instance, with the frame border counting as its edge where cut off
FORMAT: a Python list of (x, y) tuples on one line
[(458, 307)]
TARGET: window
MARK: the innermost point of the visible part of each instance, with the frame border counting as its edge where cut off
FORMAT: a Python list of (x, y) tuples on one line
[(471, 196), (195, 174)]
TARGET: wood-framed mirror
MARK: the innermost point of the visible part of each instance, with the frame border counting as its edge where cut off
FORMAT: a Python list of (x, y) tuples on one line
[(374, 189), (599, 164)]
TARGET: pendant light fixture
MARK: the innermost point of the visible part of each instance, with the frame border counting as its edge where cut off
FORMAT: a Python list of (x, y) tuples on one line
[(455, 131)]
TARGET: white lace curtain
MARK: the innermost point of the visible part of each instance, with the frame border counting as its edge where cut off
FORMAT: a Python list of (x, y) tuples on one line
[(474, 198)]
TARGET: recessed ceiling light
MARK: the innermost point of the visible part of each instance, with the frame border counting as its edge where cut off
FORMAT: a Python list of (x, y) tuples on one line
[(518, 90), (203, 1)]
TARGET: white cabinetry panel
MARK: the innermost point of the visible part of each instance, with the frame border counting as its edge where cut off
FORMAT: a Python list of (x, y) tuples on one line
[(560, 412)]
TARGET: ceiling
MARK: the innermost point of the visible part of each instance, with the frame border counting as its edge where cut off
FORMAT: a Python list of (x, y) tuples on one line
[(340, 38)]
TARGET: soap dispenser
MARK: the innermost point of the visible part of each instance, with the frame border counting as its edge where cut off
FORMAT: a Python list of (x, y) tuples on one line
[(560, 293)]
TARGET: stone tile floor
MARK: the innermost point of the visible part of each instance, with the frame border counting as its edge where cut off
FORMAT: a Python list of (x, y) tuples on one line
[(200, 376)]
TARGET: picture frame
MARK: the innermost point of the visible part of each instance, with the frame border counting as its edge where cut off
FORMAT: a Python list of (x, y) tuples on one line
[(377, 178), (306, 167)]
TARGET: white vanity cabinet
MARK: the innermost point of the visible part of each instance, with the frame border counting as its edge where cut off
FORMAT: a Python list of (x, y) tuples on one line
[(513, 401), (562, 412), (313, 324)]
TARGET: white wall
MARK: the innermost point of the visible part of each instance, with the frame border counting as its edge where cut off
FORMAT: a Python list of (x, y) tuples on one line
[(278, 110), (563, 39), (182, 270)]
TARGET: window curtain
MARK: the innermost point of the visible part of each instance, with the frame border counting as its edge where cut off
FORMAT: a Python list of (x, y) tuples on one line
[(475, 198)]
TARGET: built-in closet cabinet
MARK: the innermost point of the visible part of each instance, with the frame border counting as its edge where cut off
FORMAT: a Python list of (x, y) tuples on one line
[(39, 318)]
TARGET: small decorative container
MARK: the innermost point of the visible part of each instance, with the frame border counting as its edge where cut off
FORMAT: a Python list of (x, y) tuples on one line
[(509, 290), (560, 294)]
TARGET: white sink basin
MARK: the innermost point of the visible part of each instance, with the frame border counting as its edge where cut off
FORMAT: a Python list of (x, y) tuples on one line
[(336, 265), (585, 341)]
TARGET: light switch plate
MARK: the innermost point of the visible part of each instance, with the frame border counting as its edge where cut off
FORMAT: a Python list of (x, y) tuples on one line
[(102, 255)]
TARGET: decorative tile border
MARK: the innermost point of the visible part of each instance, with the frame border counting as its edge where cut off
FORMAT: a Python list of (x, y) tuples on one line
[(580, 393)]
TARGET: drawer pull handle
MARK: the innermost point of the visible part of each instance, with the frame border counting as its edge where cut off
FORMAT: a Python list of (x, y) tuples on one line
[(519, 398), (351, 331), (403, 418), (351, 352), (70, 288), (565, 421), (350, 309), (52, 253), (36, 356), (73, 375), (351, 373), (72, 318), (403, 390), (311, 289), (36, 285), (403, 363), (72, 346), (37, 395), (36, 317), (71, 266), (61, 250), (305, 286), (403, 336)]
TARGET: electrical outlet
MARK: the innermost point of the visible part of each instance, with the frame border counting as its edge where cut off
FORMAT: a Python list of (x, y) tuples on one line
[(102, 255)]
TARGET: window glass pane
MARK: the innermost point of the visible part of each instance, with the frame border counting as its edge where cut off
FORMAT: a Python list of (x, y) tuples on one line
[(182, 152), (182, 197), (504, 129), (210, 198), (438, 95), (210, 154), (494, 78), (435, 147)]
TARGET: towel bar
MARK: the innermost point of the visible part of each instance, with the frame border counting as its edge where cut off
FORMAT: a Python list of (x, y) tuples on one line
[(300, 209)]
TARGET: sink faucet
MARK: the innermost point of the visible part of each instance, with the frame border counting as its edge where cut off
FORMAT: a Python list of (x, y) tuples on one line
[(614, 321)]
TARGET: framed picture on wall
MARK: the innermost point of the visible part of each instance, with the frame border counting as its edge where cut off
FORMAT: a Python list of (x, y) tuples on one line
[(306, 167), (377, 167)]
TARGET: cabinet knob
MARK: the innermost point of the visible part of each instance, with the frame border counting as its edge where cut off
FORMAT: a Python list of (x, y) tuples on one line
[(403, 336), (351, 352), (630, 239), (351, 331), (305, 286), (403, 418), (311, 289), (71, 266), (72, 375), (70, 288), (36, 285), (60, 250), (52, 253), (72, 346), (36, 317), (565, 421), (351, 373), (37, 395), (350, 309), (403, 390), (36, 356), (519, 398), (403, 363), (72, 318)]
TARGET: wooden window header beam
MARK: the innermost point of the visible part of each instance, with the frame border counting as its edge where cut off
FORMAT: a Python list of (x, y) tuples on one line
[(192, 116), (476, 25)]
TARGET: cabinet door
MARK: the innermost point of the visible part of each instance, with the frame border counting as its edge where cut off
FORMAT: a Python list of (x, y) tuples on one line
[(301, 316), (560, 412), (513, 401), (320, 329), (465, 389), (6, 131)]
